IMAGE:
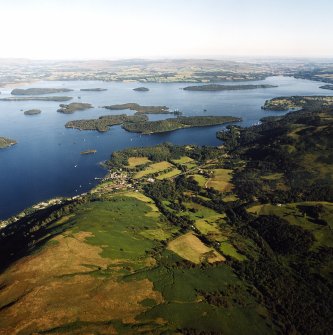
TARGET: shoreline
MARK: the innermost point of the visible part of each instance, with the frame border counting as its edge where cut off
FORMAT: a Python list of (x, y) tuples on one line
[(13, 85)]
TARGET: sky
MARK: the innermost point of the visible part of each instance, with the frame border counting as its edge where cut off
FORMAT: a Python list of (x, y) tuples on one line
[(110, 29)]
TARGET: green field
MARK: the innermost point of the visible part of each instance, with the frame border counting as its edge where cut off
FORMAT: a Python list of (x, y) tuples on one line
[(221, 180), (136, 161), (153, 168), (229, 250), (183, 160), (169, 174), (201, 180)]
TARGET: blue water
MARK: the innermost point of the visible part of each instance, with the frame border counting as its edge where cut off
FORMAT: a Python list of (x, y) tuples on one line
[(42, 164)]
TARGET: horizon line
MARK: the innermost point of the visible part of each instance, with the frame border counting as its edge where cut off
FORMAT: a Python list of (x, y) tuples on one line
[(212, 57)]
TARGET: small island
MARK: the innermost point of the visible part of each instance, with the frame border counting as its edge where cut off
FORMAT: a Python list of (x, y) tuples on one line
[(327, 87), (6, 142), (32, 112), (56, 99), (141, 109), (39, 91), (98, 89), (103, 123), (218, 87), (141, 89), (88, 152), (297, 102), (73, 107)]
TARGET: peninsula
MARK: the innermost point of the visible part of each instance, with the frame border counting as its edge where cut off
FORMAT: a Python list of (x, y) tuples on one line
[(6, 142), (141, 109), (39, 91), (73, 107), (32, 112), (295, 102), (218, 87)]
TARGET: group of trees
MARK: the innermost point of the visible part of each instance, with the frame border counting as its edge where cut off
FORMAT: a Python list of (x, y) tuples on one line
[(179, 122), (103, 123), (282, 145)]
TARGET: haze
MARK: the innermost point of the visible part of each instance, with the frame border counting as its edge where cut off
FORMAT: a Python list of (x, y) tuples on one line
[(101, 29)]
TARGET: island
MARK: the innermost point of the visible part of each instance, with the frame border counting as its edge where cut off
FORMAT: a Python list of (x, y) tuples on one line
[(141, 109), (103, 123), (32, 112), (141, 89), (6, 142), (139, 123), (161, 126), (39, 91), (88, 152), (297, 102), (326, 87), (218, 87), (93, 89), (73, 107), (56, 99)]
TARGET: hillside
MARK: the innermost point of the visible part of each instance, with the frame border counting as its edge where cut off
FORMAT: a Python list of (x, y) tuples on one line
[(184, 240)]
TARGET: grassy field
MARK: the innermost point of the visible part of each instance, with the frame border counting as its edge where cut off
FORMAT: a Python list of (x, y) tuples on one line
[(230, 197), (221, 180), (198, 212), (183, 160), (136, 161), (187, 307), (108, 239), (189, 247), (206, 228), (201, 180), (169, 174), (110, 222), (229, 250), (141, 197), (153, 168)]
